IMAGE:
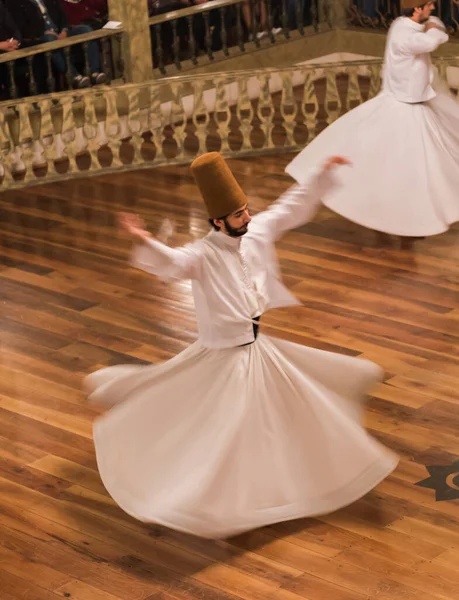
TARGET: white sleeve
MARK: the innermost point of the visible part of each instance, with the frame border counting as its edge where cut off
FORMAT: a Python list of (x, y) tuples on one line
[(167, 263), (295, 207), (420, 42)]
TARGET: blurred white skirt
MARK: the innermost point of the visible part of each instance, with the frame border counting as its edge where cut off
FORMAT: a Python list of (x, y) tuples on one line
[(218, 442), (405, 174)]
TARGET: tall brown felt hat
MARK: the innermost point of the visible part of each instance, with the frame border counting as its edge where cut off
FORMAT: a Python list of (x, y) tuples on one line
[(221, 192), (406, 4)]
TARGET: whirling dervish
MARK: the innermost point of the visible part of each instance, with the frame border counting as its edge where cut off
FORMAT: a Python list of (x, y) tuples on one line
[(240, 430), (404, 143)]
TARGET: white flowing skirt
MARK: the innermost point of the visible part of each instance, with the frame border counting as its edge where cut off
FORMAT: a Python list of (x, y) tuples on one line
[(218, 442), (405, 175)]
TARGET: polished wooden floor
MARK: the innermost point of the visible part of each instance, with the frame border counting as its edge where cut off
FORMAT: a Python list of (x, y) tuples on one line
[(70, 304)]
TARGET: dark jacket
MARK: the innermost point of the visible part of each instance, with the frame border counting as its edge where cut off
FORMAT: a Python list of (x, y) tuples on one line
[(8, 28), (29, 20)]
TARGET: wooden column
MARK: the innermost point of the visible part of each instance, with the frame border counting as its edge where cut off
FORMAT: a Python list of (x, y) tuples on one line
[(338, 12), (137, 56)]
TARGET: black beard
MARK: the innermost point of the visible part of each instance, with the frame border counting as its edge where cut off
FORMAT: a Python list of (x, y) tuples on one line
[(233, 232)]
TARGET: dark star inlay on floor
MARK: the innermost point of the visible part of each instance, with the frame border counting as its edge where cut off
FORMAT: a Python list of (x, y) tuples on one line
[(444, 479)]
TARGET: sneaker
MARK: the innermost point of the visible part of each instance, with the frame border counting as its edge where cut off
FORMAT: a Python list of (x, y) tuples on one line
[(98, 78), (276, 30), (81, 82)]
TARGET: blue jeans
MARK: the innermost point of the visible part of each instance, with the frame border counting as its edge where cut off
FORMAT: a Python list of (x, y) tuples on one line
[(58, 57)]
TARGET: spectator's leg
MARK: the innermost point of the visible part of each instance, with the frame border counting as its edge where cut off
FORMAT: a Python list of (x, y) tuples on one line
[(263, 15), (93, 53), (58, 56), (247, 15)]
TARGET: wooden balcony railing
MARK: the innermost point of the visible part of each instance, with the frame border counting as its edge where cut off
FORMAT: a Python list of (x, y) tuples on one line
[(221, 28), (88, 132), (29, 71)]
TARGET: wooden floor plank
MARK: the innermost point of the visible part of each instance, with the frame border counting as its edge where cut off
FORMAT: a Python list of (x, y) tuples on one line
[(71, 304)]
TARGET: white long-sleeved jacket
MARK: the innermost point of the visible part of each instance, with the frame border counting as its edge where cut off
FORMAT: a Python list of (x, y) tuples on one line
[(408, 71), (236, 279)]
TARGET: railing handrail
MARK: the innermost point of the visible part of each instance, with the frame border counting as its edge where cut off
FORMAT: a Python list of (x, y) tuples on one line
[(173, 15), (162, 122), (218, 76), (56, 45), (299, 67), (163, 81)]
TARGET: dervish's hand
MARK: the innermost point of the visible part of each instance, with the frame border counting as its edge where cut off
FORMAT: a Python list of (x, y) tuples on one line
[(334, 161), (133, 225), (434, 23)]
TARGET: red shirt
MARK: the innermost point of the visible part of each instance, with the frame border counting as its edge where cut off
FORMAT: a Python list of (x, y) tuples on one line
[(84, 11)]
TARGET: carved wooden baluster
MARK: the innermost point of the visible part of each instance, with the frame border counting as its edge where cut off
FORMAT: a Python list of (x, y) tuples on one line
[(288, 107), (6, 148), (178, 118), (118, 39), (354, 94), (68, 131), (200, 114), (113, 126), (48, 133), (37, 147), (159, 49), (239, 31), (314, 14), (208, 37), (223, 28), (25, 138), (32, 82), (135, 125), (332, 96), (68, 65), (299, 6), (255, 23), (265, 110), (310, 98), (192, 41), (284, 19), (90, 130), (454, 11), (176, 45), (269, 20), (50, 81), (222, 110), (106, 62), (157, 123), (13, 90), (328, 12), (245, 113), (375, 80), (87, 67), (145, 118)]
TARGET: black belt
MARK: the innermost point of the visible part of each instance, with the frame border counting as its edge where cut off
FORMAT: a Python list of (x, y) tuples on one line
[(256, 327)]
